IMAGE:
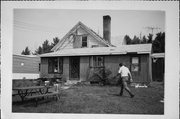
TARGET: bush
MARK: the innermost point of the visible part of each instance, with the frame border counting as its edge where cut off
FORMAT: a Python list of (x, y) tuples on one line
[(100, 76), (53, 80)]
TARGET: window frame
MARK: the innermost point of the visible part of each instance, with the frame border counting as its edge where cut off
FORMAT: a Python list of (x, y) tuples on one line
[(83, 41), (39, 67), (135, 64), (93, 64), (59, 68)]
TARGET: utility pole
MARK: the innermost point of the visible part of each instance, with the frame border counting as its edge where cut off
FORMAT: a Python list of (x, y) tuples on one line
[(140, 35), (152, 28)]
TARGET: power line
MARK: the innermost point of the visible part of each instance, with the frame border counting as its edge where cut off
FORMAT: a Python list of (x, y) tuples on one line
[(34, 27), (30, 24)]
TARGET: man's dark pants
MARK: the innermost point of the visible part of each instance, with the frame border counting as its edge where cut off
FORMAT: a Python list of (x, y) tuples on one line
[(124, 81)]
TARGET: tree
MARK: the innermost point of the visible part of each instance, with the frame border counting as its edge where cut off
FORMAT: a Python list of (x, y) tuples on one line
[(46, 46), (159, 43), (38, 51), (144, 40), (135, 40), (127, 39), (150, 38), (26, 51), (55, 41)]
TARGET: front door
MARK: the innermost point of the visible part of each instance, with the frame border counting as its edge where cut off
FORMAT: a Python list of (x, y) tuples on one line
[(74, 68)]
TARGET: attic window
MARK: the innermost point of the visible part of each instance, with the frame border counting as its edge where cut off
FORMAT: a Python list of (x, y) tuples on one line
[(84, 41)]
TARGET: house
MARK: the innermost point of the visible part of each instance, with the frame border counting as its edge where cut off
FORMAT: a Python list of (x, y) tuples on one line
[(81, 50), (26, 67)]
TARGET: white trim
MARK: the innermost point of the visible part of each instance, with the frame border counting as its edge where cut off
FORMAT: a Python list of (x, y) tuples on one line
[(25, 76), (158, 55)]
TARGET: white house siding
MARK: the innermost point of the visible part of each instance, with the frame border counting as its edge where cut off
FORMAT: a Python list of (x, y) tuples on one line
[(68, 44), (81, 31), (93, 41), (25, 76)]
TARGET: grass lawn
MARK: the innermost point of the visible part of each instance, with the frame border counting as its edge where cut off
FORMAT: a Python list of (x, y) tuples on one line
[(101, 99)]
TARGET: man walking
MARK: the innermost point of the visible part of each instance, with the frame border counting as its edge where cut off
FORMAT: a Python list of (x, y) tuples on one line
[(125, 75)]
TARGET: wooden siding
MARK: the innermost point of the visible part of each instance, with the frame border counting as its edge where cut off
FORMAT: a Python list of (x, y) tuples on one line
[(66, 67), (44, 67), (84, 66), (93, 41), (68, 44), (44, 70), (111, 62), (81, 31), (31, 64)]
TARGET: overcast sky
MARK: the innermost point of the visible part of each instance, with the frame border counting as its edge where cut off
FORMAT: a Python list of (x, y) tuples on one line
[(33, 26)]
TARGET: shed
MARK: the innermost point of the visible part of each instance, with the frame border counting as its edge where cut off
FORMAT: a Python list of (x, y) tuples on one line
[(26, 66)]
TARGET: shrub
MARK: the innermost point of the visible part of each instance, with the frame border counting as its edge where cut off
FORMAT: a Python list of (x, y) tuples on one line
[(53, 79), (102, 76), (99, 75)]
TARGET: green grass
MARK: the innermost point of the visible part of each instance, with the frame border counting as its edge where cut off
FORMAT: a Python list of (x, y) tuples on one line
[(100, 99)]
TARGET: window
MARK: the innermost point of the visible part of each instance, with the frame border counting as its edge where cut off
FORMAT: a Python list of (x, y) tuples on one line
[(55, 65), (60, 65), (84, 41), (39, 67), (135, 65), (97, 61)]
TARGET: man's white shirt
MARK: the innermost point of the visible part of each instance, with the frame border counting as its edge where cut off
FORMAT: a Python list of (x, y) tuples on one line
[(124, 71)]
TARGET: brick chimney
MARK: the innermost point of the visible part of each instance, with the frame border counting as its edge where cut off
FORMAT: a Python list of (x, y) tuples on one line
[(107, 28)]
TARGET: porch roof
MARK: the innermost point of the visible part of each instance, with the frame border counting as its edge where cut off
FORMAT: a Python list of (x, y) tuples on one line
[(158, 55), (124, 49)]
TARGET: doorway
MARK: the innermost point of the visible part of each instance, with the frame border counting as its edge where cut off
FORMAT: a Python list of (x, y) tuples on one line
[(74, 68)]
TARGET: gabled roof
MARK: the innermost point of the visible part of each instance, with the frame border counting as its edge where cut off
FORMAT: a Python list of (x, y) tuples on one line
[(124, 49), (88, 30)]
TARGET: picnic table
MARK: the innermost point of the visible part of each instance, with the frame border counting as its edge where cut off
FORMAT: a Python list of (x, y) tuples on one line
[(29, 90), (34, 92)]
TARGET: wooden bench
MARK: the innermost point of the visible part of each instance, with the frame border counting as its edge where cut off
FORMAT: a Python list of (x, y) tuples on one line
[(36, 97)]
